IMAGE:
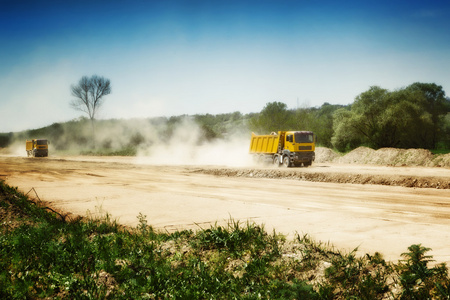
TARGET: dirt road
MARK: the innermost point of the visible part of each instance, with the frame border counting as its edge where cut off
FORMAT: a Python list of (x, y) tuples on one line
[(385, 217)]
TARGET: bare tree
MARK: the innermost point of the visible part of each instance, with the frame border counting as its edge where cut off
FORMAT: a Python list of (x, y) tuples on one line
[(89, 93)]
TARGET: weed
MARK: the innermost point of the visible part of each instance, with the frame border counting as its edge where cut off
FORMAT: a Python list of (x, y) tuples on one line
[(364, 278), (43, 256), (232, 238), (418, 280), (143, 225)]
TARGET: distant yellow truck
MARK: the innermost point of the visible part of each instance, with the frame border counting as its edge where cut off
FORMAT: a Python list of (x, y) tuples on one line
[(285, 148), (37, 147)]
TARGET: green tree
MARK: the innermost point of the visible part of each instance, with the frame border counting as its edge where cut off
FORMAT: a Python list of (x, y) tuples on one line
[(5, 139), (405, 122), (321, 123), (367, 117), (346, 137), (412, 117), (444, 142), (436, 105), (274, 117), (304, 118), (362, 124)]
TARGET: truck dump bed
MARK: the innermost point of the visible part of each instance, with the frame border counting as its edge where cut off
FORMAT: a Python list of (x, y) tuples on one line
[(29, 145), (264, 144)]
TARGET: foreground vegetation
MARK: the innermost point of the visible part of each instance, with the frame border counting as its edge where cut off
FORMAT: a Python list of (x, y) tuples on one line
[(44, 254)]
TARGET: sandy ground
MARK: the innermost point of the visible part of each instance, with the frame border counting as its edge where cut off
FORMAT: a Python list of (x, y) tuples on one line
[(383, 218)]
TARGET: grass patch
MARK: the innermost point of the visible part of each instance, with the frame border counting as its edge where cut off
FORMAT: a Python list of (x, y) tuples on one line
[(440, 151), (43, 255), (127, 151)]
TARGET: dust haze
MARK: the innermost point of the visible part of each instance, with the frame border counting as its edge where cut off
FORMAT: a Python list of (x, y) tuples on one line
[(173, 141), (15, 149), (188, 146)]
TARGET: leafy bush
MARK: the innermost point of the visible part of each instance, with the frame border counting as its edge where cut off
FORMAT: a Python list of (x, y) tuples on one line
[(418, 280)]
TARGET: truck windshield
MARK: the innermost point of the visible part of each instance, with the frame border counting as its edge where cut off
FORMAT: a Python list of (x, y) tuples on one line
[(301, 137), (41, 142)]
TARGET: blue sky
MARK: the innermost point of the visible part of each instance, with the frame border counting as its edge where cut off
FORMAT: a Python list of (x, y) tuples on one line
[(169, 58)]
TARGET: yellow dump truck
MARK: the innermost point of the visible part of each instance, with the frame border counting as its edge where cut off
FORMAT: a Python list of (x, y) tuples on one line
[(285, 148), (37, 147)]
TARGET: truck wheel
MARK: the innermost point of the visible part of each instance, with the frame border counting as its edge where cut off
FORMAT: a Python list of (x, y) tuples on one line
[(276, 161), (286, 161)]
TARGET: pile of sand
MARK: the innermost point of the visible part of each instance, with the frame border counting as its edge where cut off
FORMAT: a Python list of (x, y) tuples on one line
[(385, 156), (324, 154), (442, 160)]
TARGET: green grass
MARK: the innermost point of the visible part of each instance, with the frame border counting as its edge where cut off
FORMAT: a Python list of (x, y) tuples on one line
[(47, 255), (127, 151), (440, 151)]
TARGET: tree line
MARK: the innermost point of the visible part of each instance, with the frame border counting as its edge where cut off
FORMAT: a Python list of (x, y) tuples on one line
[(417, 116)]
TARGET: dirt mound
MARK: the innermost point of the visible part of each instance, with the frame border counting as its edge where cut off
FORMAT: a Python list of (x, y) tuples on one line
[(389, 156), (308, 175), (360, 155), (384, 156), (324, 154), (442, 160)]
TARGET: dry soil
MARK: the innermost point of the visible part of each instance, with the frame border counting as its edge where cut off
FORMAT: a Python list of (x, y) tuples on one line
[(375, 208)]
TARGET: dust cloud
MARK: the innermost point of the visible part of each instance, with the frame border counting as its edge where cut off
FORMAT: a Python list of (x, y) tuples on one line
[(15, 149), (188, 146), (161, 141)]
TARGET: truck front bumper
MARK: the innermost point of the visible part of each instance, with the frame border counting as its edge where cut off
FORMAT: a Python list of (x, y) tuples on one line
[(40, 152), (304, 157)]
